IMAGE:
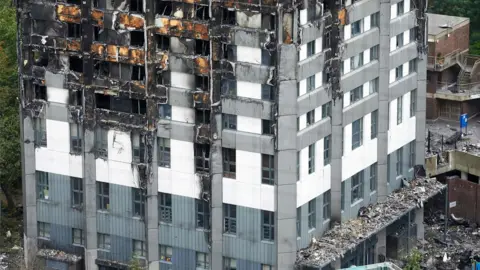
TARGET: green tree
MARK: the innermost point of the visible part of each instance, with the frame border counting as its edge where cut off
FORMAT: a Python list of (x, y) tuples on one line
[(414, 260), (10, 172)]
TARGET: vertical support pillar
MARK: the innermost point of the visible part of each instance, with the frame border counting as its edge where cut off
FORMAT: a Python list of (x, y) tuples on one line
[(381, 246), (419, 212), (90, 199), (383, 98)]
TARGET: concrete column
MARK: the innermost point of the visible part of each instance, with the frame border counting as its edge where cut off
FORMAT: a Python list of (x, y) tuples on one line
[(383, 98), (152, 206), (336, 163), (464, 175), (216, 169), (29, 191), (419, 221), (421, 111), (90, 199), (381, 246)]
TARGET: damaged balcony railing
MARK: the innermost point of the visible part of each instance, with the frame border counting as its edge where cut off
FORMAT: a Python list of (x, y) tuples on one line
[(439, 62), (455, 88)]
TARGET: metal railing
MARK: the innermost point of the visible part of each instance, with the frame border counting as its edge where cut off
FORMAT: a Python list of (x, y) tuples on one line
[(438, 62), (456, 88)]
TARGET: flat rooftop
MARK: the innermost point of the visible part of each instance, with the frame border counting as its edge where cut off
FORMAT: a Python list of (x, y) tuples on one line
[(438, 23), (348, 235)]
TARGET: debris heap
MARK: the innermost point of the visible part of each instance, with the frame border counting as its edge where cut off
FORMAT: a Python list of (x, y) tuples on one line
[(58, 255), (348, 235)]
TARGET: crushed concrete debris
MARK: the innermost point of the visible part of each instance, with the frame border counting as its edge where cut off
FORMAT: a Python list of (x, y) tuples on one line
[(346, 236), (3, 263), (58, 255)]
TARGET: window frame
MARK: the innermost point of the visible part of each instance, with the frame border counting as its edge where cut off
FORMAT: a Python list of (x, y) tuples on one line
[(356, 94), (401, 7), (412, 154), (353, 64), (374, 125), (374, 85), (374, 52), (229, 163), (357, 133), (399, 72), (299, 221), (76, 191), (104, 241), (165, 210), (229, 121), (41, 132), (76, 237), (311, 158), (413, 102), (165, 111), (373, 177), (42, 184), (399, 110), (356, 28), (202, 264), (229, 263), (164, 152), (326, 150), (311, 48), (399, 41), (165, 253), (327, 110), (412, 66), (327, 198), (312, 222), (310, 83), (75, 138), (357, 187), (103, 196), (342, 196), (399, 161), (101, 142), (268, 173), (138, 201), (202, 212), (310, 118), (142, 250), (229, 219), (268, 92), (43, 229), (138, 148), (268, 225), (267, 127)]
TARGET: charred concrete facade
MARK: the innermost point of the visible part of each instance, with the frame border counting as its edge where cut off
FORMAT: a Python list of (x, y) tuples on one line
[(212, 134)]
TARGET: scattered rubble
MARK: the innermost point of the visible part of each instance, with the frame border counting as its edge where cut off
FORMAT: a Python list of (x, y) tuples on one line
[(346, 236), (3, 263), (58, 255)]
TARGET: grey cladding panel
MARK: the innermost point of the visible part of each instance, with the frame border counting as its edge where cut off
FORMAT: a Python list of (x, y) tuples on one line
[(121, 249), (183, 259), (402, 23), (312, 100), (403, 86), (180, 97), (403, 55), (311, 66), (322, 225), (360, 43), (247, 107), (253, 73), (362, 9), (360, 108), (245, 141), (314, 133), (57, 112), (176, 130), (358, 77)]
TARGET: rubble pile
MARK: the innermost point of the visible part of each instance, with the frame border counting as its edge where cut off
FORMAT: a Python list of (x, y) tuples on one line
[(58, 255), (346, 236), (452, 138)]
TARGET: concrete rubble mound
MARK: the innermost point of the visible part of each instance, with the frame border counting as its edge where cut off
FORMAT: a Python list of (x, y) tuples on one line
[(373, 218), (58, 255)]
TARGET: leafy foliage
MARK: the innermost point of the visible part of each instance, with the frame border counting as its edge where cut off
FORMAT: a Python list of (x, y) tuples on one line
[(414, 259)]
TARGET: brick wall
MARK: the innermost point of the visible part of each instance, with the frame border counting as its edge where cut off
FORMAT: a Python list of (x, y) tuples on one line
[(459, 39)]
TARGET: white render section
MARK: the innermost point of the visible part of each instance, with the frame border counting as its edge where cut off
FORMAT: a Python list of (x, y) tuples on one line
[(249, 21), (347, 32), (318, 45), (361, 157), (249, 55), (366, 56), (247, 189), (313, 185), (302, 121), (182, 80), (393, 43), (405, 69), (366, 23), (303, 17), (303, 52), (180, 178), (303, 87), (393, 11), (400, 135), (182, 114), (56, 158), (249, 124), (249, 90), (318, 114), (118, 169), (392, 75), (346, 99), (346, 66), (318, 80), (406, 36), (406, 6), (57, 95)]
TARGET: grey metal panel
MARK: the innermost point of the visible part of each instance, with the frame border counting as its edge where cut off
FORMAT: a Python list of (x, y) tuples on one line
[(182, 233), (119, 221), (321, 225), (245, 141), (51, 264), (312, 100), (247, 107), (362, 9), (176, 130), (166, 266), (314, 133), (180, 97), (310, 32), (403, 55), (358, 77), (402, 23), (57, 112), (183, 259), (247, 243), (253, 73), (360, 43), (360, 109), (246, 37), (58, 208), (403, 86), (248, 265), (311, 66), (121, 250)]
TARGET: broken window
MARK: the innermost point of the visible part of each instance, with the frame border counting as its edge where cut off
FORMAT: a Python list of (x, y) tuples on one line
[(229, 52), (230, 218), (203, 214), (74, 30), (138, 199), (138, 73), (327, 110), (326, 150), (77, 191), (162, 78), (76, 98), (229, 121), (76, 63), (121, 104), (139, 106), (42, 185), (101, 142), (102, 68), (310, 118), (202, 83), (96, 33), (202, 157), (373, 177), (202, 12), (398, 164), (357, 133), (164, 8), (202, 117), (164, 152), (137, 38), (311, 158), (268, 92), (136, 6), (103, 196), (138, 148), (202, 47), (40, 58), (399, 110), (43, 230), (75, 138), (165, 111), (268, 21), (356, 94), (267, 127), (268, 58), (229, 17), (78, 237), (229, 163), (40, 91), (40, 131), (374, 127), (74, 2), (268, 225), (357, 187), (165, 209), (268, 169), (229, 87), (326, 205), (312, 220)]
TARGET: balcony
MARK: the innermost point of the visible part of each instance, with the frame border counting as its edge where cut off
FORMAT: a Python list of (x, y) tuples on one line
[(458, 92), (442, 62)]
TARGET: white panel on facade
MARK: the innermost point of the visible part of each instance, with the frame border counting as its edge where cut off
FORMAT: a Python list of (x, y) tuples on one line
[(393, 11), (57, 95), (318, 113), (400, 135), (303, 52), (347, 32), (119, 146), (366, 89), (366, 56), (366, 23), (251, 20), (58, 136), (249, 55), (62, 163), (303, 87), (302, 121), (101, 170), (249, 124), (182, 157), (392, 76), (303, 17), (406, 37), (393, 43), (318, 80), (240, 193), (360, 158), (318, 45), (267, 197), (182, 80), (346, 100), (165, 183), (406, 6), (249, 90), (347, 139), (183, 114), (121, 173), (405, 69), (346, 66)]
